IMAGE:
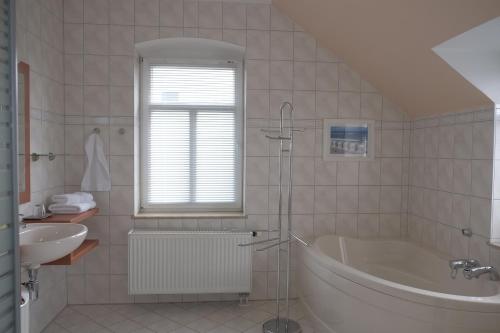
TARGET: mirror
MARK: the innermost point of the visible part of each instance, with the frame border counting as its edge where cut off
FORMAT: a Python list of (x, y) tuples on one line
[(23, 131)]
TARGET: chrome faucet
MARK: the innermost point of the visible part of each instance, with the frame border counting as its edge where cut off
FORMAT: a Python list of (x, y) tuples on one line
[(476, 272), (22, 224), (456, 264)]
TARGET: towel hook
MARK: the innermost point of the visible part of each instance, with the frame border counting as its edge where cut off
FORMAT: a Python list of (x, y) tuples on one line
[(96, 130)]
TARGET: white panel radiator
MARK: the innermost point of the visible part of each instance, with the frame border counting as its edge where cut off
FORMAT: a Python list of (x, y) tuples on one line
[(184, 262)]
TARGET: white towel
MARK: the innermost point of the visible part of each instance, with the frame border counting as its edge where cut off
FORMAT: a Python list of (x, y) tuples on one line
[(96, 176), (71, 208), (72, 198)]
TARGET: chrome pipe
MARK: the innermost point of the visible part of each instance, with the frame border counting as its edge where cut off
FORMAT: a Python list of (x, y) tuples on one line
[(300, 240), (289, 215), (259, 242), (273, 245), (281, 138)]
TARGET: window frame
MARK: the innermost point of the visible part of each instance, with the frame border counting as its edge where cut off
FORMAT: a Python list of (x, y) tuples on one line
[(239, 112)]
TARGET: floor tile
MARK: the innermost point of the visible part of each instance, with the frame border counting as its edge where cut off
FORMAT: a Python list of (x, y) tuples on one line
[(163, 326), (203, 325), (203, 317)]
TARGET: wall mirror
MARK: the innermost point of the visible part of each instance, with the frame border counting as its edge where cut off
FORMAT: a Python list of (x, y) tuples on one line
[(23, 131)]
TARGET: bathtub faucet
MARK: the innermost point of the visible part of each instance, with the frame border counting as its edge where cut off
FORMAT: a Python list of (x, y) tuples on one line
[(476, 272), (456, 264)]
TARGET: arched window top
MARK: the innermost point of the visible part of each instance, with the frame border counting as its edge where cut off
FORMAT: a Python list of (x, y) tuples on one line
[(190, 48)]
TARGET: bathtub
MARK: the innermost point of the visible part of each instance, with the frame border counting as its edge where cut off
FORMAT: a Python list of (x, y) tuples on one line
[(390, 286)]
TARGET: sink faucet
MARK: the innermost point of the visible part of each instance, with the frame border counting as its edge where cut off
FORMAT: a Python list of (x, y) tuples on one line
[(456, 264), (22, 224), (476, 272)]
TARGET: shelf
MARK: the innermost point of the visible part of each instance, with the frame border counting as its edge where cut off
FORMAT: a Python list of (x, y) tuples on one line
[(67, 218), (71, 258)]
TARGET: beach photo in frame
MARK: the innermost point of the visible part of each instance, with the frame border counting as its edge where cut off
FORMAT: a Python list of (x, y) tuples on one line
[(348, 139)]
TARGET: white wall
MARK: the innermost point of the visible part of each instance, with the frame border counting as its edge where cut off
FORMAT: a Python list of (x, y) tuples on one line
[(284, 63), (39, 38), (451, 173)]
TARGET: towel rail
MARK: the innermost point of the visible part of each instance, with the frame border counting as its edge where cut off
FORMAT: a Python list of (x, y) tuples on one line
[(35, 156)]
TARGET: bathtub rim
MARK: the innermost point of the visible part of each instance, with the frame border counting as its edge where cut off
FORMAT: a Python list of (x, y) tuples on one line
[(488, 304)]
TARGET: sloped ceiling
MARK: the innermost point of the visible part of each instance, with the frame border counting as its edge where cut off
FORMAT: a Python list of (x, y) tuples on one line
[(389, 42)]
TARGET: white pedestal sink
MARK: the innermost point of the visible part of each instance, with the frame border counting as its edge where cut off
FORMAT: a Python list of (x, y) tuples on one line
[(41, 243)]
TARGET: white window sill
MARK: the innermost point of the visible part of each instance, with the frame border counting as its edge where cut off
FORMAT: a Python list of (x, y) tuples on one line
[(494, 244), (157, 215)]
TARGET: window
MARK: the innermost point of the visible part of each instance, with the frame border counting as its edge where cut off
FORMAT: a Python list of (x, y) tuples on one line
[(192, 136)]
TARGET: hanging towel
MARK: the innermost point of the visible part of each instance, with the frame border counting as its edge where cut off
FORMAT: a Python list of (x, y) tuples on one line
[(96, 176), (72, 198), (71, 208)]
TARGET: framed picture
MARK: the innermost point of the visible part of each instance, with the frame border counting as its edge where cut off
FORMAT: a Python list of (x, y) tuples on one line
[(348, 139)]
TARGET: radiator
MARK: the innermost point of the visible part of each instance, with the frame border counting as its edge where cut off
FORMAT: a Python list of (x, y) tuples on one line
[(180, 262)]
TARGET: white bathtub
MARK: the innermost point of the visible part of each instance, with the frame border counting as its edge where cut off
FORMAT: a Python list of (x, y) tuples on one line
[(389, 286)]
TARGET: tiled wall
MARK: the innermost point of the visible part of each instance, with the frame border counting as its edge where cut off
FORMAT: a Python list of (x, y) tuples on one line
[(451, 184), (495, 219), (284, 63), (39, 32)]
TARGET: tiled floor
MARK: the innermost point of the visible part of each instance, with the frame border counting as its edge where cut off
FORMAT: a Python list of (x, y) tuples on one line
[(213, 317)]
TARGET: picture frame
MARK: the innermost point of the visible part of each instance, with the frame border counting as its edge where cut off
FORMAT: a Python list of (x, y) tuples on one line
[(348, 140)]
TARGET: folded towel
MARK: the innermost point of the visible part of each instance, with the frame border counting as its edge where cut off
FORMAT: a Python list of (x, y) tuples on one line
[(72, 198), (71, 208)]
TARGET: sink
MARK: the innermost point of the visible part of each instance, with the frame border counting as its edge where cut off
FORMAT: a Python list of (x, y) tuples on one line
[(41, 243)]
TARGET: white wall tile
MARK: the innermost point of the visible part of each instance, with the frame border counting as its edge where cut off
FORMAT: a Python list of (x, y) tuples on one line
[(481, 178), (369, 173), (390, 199), (368, 225), (257, 74), (96, 39), (326, 105), (234, 15), (144, 33), (303, 200), (326, 76), (349, 79), (73, 38), (349, 105), (281, 75), (147, 12), (304, 76), (96, 70), (347, 199), (461, 176), (480, 216), (234, 36), (281, 43), (446, 138), (390, 225), (96, 101), (96, 11), (369, 199), (304, 47), (258, 16), (445, 174), (121, 40), (121, 200), (482, 140), (346, 225), (463, 141), (280, 21), (371, 106), (73, 11), (121, 12), (325, 200)]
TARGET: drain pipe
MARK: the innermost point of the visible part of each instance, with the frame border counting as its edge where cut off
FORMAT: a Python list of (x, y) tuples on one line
[(32, 284)]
